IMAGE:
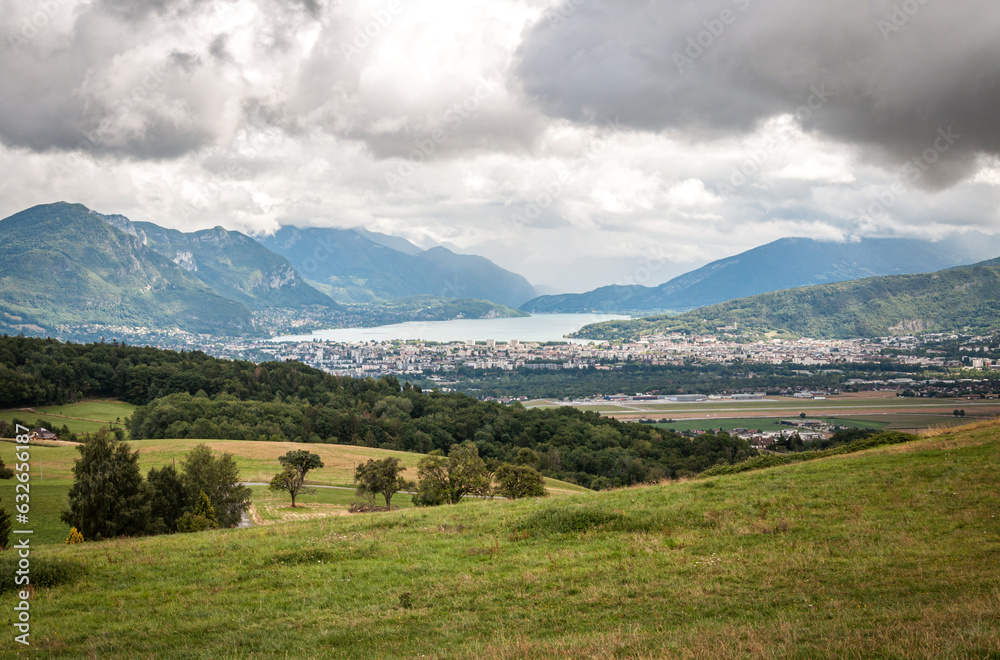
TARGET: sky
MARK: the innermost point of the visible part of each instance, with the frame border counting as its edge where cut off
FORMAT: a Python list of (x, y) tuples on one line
[(579, 143)]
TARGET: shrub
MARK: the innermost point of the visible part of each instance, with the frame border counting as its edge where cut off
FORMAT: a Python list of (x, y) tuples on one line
[(74, 537), (560, 520), (199, 520), (303, 556), (45, 572), (517, 481)]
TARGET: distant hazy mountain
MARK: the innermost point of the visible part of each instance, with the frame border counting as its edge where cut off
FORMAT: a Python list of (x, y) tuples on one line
[(65, 264), (783, 264), (358, 266), (958, 299)]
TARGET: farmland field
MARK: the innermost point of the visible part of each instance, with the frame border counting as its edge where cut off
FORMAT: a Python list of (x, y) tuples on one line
[(870, 409)]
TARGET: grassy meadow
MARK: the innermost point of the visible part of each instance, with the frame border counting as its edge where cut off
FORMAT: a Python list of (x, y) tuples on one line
[(83, 417), (890, 553), (52, 476)]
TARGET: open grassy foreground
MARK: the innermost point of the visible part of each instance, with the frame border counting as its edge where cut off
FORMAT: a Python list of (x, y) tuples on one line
[(891, 553)]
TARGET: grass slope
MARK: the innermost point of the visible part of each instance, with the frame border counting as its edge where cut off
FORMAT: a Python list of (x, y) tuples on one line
[(891, 553), (958, 299)]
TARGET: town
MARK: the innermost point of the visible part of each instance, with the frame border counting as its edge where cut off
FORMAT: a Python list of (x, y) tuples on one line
[(399, 358)]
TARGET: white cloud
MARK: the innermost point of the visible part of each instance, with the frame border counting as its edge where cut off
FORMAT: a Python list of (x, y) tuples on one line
[(256, 115)]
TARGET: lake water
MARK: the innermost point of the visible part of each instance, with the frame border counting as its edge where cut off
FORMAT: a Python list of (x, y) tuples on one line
[(539, 327)]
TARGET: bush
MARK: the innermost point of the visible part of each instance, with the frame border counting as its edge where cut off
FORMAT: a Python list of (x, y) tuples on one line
[(302, 556), (74, 537), (581, 519), (45, 572), (199, 520), (517, 481)]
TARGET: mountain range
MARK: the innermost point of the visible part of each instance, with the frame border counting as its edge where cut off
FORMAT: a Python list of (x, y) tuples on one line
[(358, 266), (784, 264), (64, 265), (963, 299)]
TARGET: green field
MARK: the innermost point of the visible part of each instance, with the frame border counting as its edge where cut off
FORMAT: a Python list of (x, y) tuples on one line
[(273, 506), (83, 417), (892, 553), (52, 476)]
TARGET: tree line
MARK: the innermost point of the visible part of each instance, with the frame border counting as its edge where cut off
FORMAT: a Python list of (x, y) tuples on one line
[(192, 395)]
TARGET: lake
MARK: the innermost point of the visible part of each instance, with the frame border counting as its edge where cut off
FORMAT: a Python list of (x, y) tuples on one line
[(539, 327)]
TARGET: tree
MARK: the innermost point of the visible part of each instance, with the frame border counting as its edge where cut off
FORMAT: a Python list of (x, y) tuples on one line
[(293, 477), (432, 475), (5, 528), (219, 478), (527, 457), (449, 479), (109, 497), (802, 415), (381, 476), (199, 520), (517, 481), (170, 499), (5, 472)]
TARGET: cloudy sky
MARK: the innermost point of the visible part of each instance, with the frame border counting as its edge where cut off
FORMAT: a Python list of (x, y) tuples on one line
[(579, 143)]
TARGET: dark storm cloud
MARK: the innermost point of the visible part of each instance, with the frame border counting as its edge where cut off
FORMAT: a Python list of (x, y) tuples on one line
[(884, 75)]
